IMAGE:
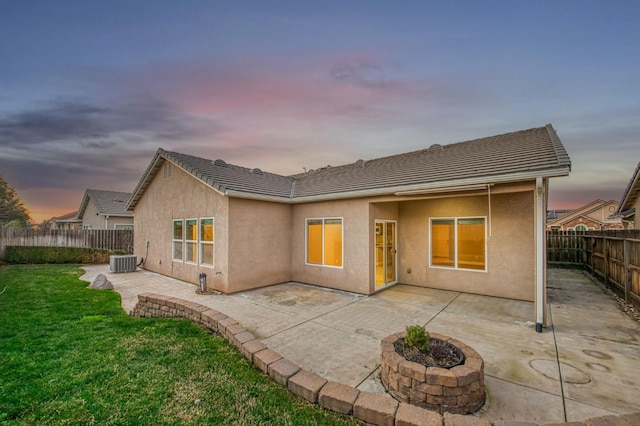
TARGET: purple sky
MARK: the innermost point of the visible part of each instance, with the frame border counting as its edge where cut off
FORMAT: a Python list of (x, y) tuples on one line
[(89, 90)]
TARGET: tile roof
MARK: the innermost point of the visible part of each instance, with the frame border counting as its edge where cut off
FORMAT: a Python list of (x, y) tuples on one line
[(520, 155), (511, 153), (109, 203), (222, 176), (630, 194), (69, 217)]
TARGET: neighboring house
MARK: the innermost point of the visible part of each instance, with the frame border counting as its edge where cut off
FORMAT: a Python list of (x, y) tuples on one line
[(465, 217), (630, 202), (105, 210), (556, 214), (67, 221), (595, 216)]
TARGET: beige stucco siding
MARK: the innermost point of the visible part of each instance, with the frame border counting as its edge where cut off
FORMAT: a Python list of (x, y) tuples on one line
[(259, 243), (180, 196), (95, 220), (510, 245), (91, 218), (636, 222), (260, 247), (354, 274)]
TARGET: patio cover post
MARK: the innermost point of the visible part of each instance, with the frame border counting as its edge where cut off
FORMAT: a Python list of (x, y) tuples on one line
[(540, 245)]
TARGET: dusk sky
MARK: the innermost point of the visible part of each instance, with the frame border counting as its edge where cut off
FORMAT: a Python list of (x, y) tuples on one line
[(89, 90)]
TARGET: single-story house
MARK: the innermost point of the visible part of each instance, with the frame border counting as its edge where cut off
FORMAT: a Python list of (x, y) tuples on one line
[(630, 202), (467, 217), (67, 221), (594, 216), (105, 210)]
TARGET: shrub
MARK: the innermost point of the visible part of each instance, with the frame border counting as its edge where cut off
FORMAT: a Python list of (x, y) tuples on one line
[(417, 337), (39, 255)]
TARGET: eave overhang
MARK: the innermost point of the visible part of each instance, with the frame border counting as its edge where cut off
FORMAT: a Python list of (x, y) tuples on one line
[(469, 184)]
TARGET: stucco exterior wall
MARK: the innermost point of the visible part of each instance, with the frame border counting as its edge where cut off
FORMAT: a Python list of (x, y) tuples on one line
[(510, 245), (96, 220), (91, 217), (260, 244), (354, 275), (180, 196), (636, 206)]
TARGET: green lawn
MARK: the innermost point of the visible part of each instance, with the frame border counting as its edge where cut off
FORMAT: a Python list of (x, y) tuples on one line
[(70, 355)]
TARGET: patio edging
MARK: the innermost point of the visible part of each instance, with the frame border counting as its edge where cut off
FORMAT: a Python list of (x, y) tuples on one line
[(365, 406)]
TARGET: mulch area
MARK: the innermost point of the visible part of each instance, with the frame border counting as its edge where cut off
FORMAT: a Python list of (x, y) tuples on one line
[(440, 353)]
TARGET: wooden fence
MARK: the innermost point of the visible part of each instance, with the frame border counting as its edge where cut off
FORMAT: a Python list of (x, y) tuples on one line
[(611, 256), (108, 239)]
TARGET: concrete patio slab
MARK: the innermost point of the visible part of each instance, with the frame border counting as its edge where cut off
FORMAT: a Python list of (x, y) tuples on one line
[(510, 402), (325, 351), (493, 309), (577, 411), (583, 365), (375, 318), (508, 350)]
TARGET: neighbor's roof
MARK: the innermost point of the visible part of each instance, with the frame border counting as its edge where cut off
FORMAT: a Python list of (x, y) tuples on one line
[(583, 211), (69, 217), (626, 209), (510, 157), (108, 203)]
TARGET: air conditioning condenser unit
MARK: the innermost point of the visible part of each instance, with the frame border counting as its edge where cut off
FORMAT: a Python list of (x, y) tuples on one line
[(122, 263)]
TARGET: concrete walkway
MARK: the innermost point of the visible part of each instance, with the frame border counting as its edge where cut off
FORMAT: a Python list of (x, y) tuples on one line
[(586, 365)]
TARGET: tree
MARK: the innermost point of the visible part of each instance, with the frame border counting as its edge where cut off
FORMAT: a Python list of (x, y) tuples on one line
[(12, 209)]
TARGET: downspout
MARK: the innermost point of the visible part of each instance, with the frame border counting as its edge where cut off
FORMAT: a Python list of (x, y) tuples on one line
[(539, 254), (106, 221)]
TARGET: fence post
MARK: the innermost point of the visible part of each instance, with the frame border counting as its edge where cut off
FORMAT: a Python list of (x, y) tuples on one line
[(628, 274), (605, 249)]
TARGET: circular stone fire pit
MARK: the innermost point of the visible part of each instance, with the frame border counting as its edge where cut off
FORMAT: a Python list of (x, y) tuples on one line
[(457, 390)]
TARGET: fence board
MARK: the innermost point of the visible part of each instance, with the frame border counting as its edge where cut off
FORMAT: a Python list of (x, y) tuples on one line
[(611, 256), (107, 239)]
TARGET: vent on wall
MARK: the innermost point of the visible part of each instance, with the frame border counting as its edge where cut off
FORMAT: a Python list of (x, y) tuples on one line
[(124, 263)]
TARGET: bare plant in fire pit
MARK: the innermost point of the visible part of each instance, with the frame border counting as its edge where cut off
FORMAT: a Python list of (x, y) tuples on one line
[(418, 346)]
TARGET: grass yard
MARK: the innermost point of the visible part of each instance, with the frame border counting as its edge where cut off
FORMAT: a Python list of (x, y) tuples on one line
[(70, 355)]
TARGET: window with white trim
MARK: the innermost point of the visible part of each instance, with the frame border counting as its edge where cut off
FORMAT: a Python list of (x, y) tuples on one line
[(191, 240), (324, 242), (458, 243), (178, 240), (207, 237)]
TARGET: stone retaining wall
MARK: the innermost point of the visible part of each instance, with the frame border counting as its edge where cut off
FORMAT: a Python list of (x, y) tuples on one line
[(459, 390), (365, 406)]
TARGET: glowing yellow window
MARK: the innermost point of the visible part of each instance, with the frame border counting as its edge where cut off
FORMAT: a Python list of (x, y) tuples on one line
[(206, 241), (324, 242), (458, 243), (443, 242), (191, 240), (471, 244)]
